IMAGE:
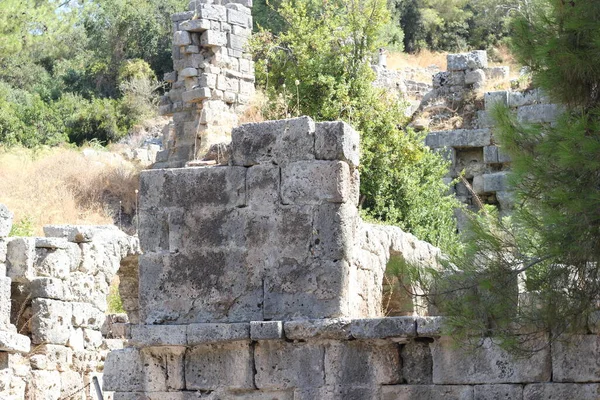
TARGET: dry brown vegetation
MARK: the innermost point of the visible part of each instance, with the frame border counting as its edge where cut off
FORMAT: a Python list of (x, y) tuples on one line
[(66, 185), (422, 59)]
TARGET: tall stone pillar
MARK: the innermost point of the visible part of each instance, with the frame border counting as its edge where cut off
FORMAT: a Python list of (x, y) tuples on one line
[(213, 78)]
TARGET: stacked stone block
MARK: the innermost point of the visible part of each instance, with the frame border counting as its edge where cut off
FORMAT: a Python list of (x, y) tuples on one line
[(213, 77), (12, 344), (473, 148), (60, 285), (268, 237)]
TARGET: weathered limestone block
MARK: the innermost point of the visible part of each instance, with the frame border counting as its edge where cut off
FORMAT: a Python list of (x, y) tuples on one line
[(494, 155), (545, 391), (315, 182), (417, 362), (429, 326), (486, 364), (493, 98), (212, 12), (6, 218), (337, 393), (426, 392), (52, 357), (181, 38), (158, 335), (13, 342), (83, 287), (337, 328), (263, 185), (163, 369), (497, 73), (85, 315), (123, 371), (70, 382), (57, 263), (276, 142), (382, 328), (459, 138), (214, 366), (362, 363), (214, 333), (4, 302), (498, 392), (334, 229), (51, 321), (196, 95), (337, 141), (282, 365), (46, 385), (576, 359), (539, 113), (473, 60), (213, 38), (526, 98), (476, 77), (495, 182), (195, 25), (20, 257), (266, 330), (317, 290), (185, 288)]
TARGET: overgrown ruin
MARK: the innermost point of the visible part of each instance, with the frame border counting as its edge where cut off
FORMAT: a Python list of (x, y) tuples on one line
[(258, 278)]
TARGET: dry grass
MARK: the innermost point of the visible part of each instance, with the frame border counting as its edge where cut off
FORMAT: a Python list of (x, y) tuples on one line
[(422, 59), (254, 110), (65, 186)]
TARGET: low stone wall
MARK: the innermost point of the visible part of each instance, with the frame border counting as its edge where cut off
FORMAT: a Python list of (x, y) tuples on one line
[(394, 358), (60, 285)]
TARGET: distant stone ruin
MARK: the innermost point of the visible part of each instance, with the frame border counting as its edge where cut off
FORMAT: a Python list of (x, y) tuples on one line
[(54, 333), (213, 78)]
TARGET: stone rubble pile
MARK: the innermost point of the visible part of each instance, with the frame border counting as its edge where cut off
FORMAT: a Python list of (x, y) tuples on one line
[(60, 285), (213, 78)]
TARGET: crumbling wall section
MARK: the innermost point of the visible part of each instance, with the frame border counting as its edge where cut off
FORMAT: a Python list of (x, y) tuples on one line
[(213, 78), (12, 344), (60, 286)]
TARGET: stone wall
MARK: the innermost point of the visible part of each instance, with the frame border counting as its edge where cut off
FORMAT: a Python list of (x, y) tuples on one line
[(60, 285), (260, 281), (213, 78), (12, 344), (459, 94)]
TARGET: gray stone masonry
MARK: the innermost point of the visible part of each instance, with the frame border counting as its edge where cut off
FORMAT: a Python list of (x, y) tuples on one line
[(60, 285), (473, 149), (212, 81)]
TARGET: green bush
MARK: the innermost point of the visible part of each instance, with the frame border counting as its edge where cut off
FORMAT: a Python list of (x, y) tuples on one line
[(318, 66)]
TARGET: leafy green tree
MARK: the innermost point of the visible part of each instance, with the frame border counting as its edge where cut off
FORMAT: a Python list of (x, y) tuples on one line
[(550, 244), (319, 66)]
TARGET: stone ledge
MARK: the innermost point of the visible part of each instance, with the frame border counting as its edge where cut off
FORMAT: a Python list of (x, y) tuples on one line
[(397, 329), (12, 342)]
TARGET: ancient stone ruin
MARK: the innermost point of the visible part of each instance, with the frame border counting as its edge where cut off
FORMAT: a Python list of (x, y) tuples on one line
[(459, 94), (213, 78), (54, 333), (260, 281), (258, 278)]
